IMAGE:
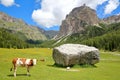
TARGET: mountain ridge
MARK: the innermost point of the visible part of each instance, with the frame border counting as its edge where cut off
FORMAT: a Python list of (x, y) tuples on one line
[(80, 18), (18, 25)]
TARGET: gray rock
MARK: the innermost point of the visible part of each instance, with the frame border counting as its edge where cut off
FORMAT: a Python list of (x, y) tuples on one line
[(71, 54)]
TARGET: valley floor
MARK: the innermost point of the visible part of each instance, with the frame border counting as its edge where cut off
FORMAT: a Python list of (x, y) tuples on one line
[(106, 69)]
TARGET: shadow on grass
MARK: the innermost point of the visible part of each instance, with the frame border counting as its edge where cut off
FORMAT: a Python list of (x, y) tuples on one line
[(74, 66), (11, 75), (87, 66), (56, 66)]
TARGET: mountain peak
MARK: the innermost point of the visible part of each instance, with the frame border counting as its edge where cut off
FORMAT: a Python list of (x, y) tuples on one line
[(78, 18)]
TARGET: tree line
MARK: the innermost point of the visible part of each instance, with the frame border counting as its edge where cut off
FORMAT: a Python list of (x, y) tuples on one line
[(8, 40), (106, 37), (109, 41)]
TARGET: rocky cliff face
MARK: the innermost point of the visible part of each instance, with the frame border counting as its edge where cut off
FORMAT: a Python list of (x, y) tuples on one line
[(77, 20), (5, 17), (81, 17), (50, 34), (112, 19), (18, 25)]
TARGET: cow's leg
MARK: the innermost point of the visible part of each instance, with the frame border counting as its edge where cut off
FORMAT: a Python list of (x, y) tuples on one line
[(28, 71), (15, 69)]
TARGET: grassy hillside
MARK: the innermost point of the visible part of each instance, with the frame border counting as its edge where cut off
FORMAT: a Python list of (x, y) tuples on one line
[(8, 40), (19, 26), (107, 69), (109, 41)]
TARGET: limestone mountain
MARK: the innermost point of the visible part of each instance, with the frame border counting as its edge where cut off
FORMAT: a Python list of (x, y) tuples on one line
[(50, 34), (81, 18), (82, 26), (20, 28), (112, 19), (77, 20)]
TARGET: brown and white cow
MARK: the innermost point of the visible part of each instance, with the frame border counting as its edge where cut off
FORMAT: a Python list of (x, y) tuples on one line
[(22, 62)]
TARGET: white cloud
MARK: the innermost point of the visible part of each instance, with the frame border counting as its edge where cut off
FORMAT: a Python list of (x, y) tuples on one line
[(17, 5), (52, 12), (8, 3), (118, 13), (112, 5)]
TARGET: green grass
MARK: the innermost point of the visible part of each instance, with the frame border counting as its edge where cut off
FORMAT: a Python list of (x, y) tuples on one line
[(107, 69)]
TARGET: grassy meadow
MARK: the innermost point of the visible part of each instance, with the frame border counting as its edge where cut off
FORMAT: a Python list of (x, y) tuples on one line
[(107, 69)]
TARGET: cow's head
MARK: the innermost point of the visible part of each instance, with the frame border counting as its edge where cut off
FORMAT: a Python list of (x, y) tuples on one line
[(34, 61)]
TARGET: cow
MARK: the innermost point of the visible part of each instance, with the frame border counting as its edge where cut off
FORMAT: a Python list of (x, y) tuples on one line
[(24, 63)]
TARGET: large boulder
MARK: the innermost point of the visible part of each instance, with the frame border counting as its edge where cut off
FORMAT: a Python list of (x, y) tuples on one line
[(71, 54)]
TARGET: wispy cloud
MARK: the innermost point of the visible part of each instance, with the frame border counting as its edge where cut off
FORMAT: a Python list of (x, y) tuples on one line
[(8, 3), (17, 5), (118, 13), (52, 12), (112, 5)]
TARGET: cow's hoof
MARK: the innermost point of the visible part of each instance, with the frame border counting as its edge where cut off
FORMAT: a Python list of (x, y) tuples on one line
[(28, 75)]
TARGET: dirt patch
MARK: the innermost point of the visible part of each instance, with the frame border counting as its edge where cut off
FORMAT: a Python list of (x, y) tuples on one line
[(74, 70)]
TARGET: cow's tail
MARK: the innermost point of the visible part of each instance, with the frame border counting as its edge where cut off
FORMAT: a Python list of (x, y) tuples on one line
[(12, 66), (10, 69)]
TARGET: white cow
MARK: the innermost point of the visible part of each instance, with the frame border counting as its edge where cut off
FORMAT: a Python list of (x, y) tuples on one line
[(22, 62)]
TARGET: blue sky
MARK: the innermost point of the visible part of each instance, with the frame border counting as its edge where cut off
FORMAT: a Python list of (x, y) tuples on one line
[(24, 11), (48, 14), (100, 10)]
